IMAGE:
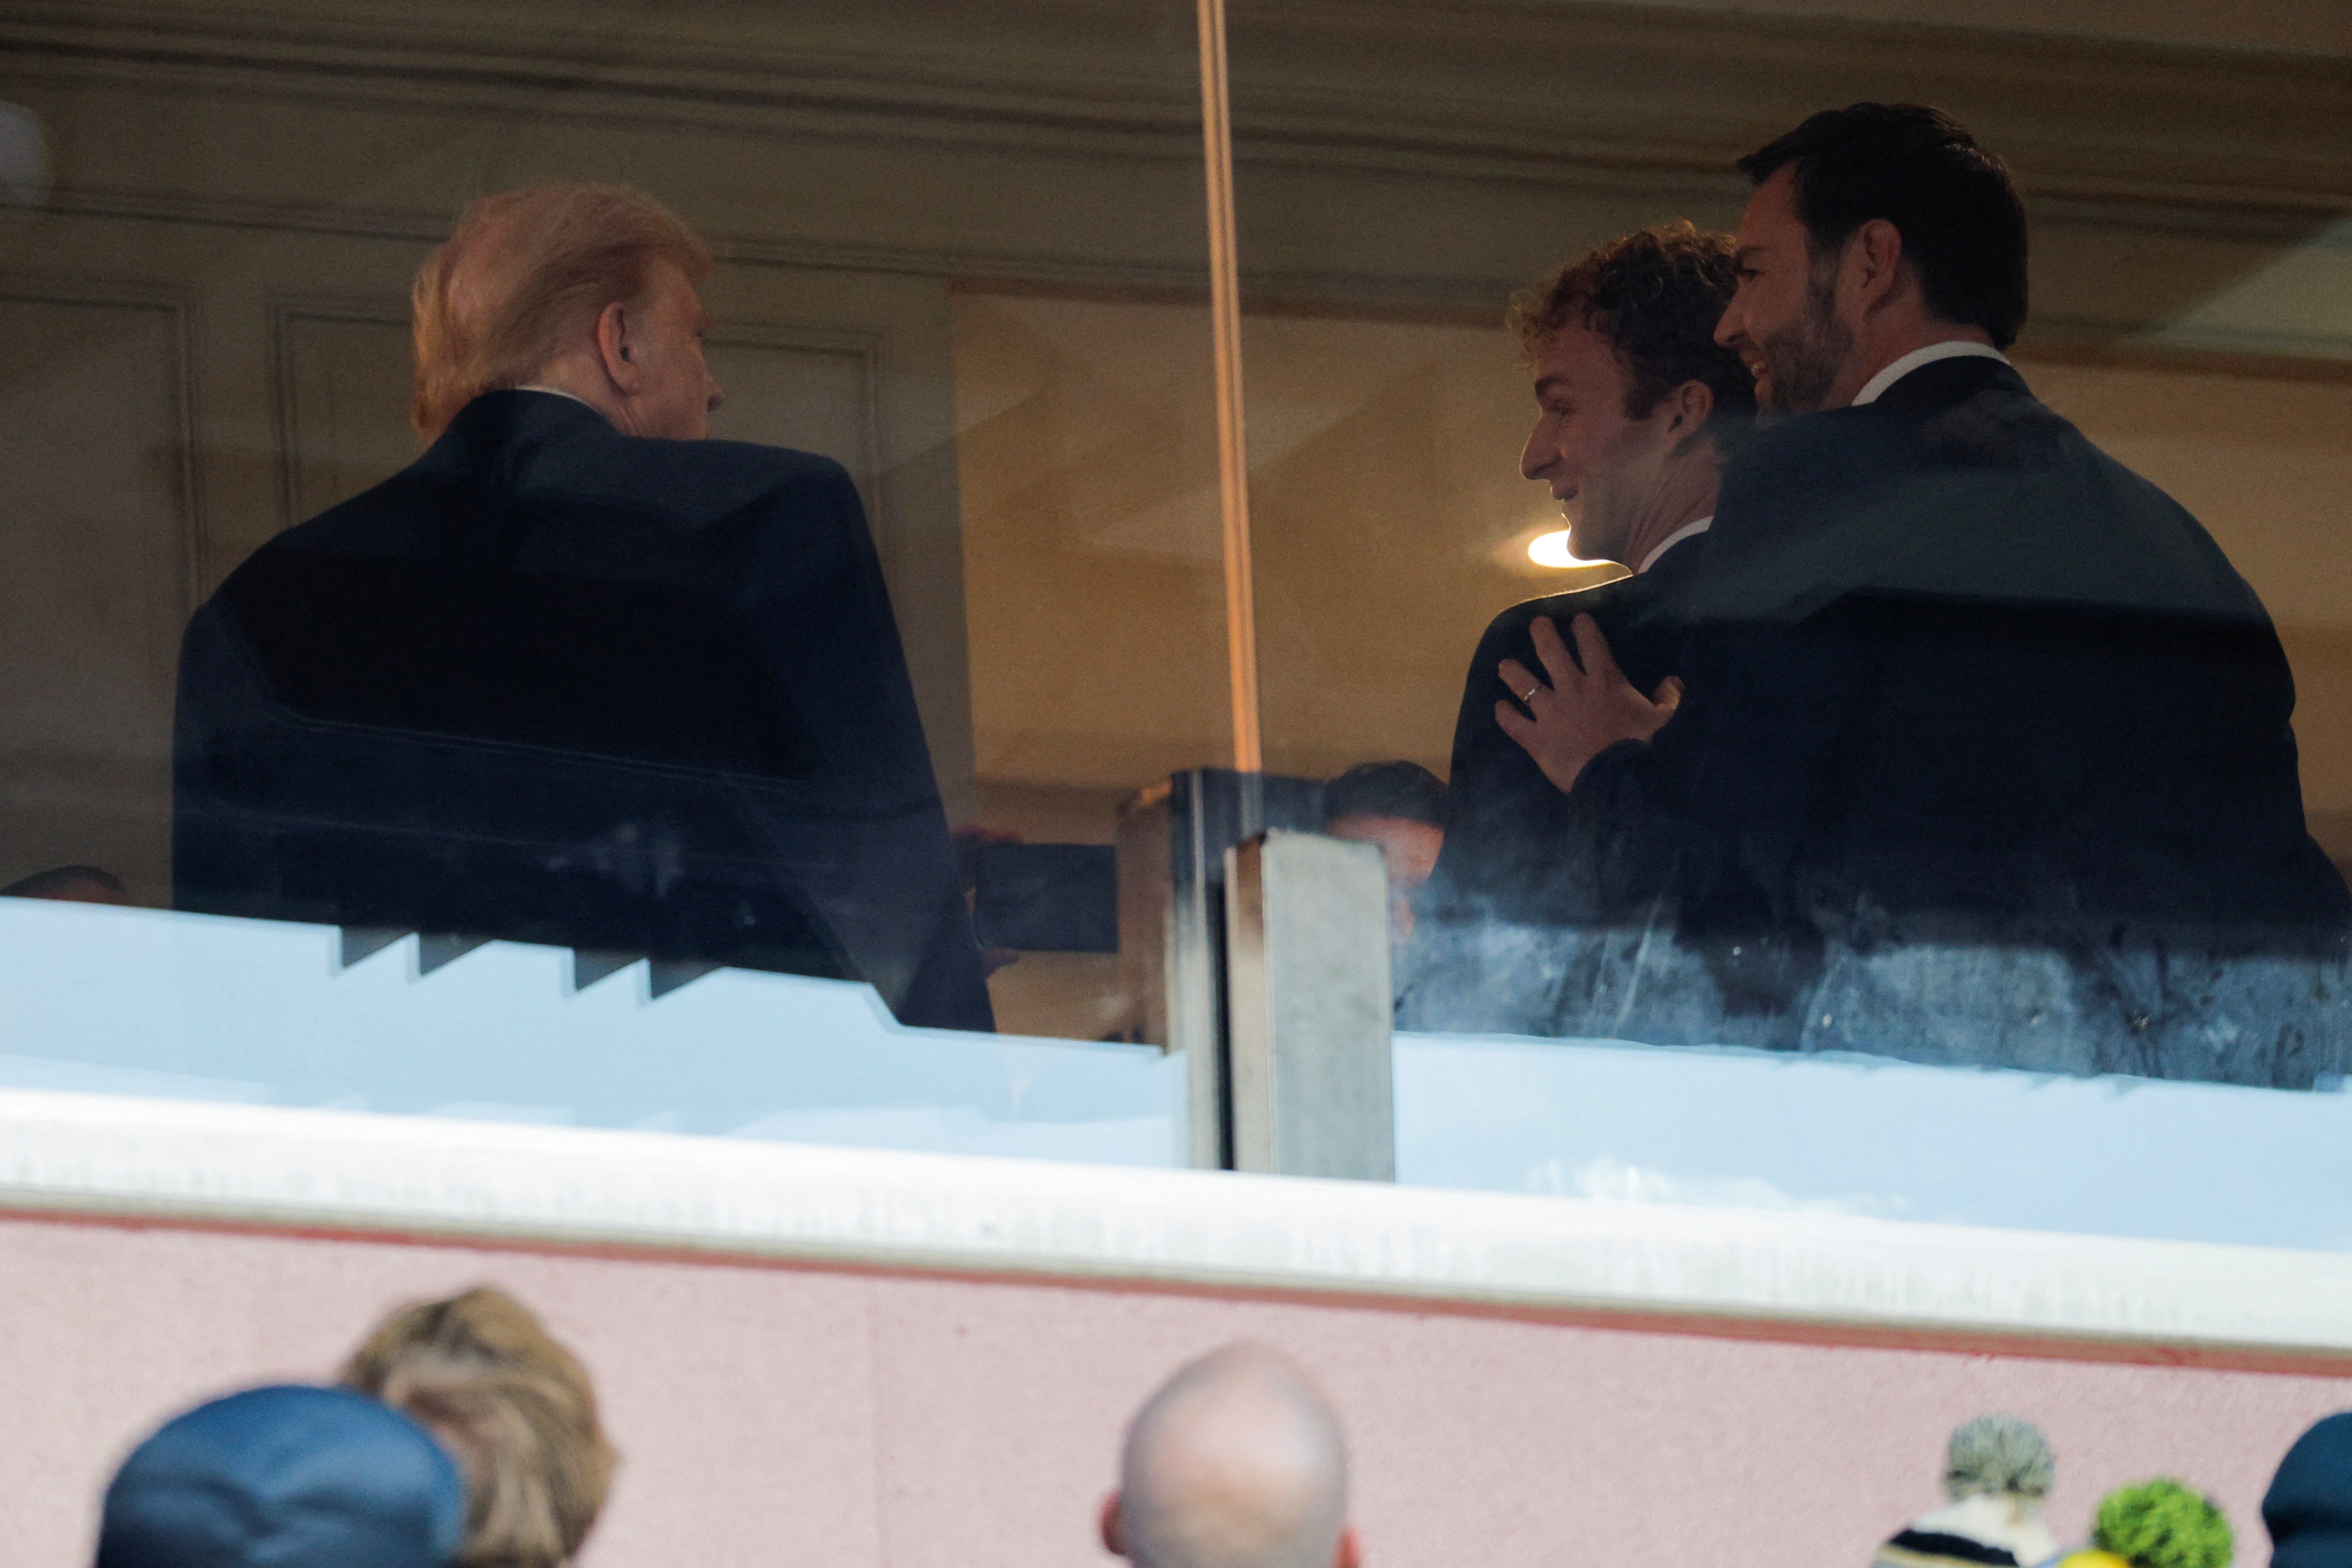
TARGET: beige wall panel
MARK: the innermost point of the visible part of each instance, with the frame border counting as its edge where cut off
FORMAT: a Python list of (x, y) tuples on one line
[(859, 365), (345, 393), (1391, 522), (813, 397), (1087, 456), (96, 527), (1388, 513), (2322, 657), (245, 287)]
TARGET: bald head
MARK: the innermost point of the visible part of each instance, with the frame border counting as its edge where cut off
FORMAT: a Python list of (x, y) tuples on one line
[(1237, 1462)]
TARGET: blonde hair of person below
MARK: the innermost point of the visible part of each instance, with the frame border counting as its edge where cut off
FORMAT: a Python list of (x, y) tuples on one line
[(513, 1404)]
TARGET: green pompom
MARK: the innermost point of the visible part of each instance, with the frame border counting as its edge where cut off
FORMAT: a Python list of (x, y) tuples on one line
[(2163, 1524)]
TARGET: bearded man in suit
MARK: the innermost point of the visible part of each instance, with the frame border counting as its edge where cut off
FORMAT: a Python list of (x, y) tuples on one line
[(1985, 753), (578, 676)]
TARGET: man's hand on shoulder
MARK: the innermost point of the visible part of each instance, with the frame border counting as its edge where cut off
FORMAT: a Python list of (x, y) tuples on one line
[(1580, 712)]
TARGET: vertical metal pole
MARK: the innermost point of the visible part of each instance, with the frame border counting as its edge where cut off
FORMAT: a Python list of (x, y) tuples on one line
[(1226, 325), (1307, 987), (1172, 942)]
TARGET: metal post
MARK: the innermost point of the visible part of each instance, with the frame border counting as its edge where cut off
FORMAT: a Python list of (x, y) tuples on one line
[(1226, 326), (1309, 997), (1172, 840)]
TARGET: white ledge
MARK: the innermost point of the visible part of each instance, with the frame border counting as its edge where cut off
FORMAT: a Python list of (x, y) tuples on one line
[(104, 1155)]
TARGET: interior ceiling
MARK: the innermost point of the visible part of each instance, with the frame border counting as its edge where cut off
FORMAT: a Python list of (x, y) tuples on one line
[(2307, 27), (2299, 305)]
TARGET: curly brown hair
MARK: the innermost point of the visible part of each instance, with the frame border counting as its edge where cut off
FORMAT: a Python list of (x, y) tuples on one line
[(1655, 296)]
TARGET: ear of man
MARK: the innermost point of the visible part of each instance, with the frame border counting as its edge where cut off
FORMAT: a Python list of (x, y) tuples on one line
[(1874, 266), (1349, 1555), (1113, 1539), (613, 325), (1688, 407)]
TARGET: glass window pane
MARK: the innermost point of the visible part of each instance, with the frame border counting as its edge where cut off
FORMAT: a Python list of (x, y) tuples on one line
[(548, 686), (1969, 741)]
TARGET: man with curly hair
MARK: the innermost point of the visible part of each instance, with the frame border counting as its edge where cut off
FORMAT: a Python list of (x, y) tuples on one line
[(1637, 409)]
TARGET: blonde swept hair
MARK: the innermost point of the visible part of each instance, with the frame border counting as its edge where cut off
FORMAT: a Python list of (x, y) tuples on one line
[(523, 273), (513, 1404)]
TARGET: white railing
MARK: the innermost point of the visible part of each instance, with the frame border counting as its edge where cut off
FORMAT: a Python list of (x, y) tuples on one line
[(200, 1009), (205, 1008)]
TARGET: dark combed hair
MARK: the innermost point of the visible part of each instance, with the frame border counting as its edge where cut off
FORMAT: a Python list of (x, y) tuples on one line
[(1655, 296), (1963, 227), (1402, 790)]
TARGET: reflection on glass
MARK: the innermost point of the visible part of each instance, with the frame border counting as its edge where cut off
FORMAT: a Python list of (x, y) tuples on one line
[(1957, 742), (611, 667), (1556, 550), (1948, 730)]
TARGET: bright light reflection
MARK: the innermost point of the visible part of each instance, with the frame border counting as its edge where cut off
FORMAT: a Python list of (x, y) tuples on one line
[(1551, 550)]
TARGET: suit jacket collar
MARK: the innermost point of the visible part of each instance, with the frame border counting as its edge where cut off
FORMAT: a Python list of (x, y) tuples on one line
[(1678, 565), (1941, 384), (498, 424)]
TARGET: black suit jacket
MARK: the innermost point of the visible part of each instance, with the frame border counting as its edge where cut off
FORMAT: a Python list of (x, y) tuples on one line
[(1956, 675), (1516, 848), (559, 684)]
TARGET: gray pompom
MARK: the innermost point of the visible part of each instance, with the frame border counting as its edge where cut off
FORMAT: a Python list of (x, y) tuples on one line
[(1993, 1455)]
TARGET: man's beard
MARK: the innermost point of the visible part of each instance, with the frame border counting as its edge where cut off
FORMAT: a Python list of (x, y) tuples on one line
[(1801, 360)]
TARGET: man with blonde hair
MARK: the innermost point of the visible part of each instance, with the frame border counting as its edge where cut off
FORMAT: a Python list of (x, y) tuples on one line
[(578, 676), (1236, 1462), (587, 290)]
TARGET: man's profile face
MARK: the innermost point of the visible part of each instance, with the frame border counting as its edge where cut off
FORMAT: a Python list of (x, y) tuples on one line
[(666, 324), (1782, 320), (1606, 470)]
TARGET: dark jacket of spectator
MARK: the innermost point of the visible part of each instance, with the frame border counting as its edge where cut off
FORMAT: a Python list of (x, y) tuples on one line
[(288, 1477), (2308, 1510), (560, 684)]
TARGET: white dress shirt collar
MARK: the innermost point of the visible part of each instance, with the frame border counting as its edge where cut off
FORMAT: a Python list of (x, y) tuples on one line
[(1950, 348), (1689, 530)]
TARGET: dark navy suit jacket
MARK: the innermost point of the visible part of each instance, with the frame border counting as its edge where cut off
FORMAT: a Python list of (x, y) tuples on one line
[(1953, 673), (559, 684), (1516, 848)]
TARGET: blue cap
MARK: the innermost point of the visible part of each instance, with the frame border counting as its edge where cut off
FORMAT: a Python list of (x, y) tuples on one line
[(291, 1477), (2308, 1509)]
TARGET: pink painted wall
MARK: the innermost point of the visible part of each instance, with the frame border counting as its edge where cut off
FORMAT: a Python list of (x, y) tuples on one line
[(813, 1417)]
